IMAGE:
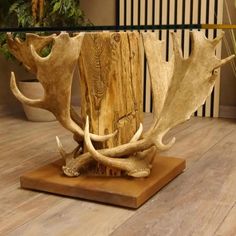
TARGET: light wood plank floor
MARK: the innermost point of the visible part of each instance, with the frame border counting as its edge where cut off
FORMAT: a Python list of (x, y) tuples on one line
[(201, 201)]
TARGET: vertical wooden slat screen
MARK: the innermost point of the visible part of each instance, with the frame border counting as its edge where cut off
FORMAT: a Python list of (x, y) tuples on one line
[(161, 12), (217, 20)]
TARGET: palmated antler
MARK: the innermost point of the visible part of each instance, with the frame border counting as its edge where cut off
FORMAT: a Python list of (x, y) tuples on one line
[(55, 73), (179, 87), (188, 82), (21, 49)]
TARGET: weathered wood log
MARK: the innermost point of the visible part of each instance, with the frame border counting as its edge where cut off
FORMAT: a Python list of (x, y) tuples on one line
[(110, 68)]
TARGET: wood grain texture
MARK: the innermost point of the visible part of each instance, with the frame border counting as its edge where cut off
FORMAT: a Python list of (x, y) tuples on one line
[(228, 226), (126, 192), (111, 79), (199, 202)]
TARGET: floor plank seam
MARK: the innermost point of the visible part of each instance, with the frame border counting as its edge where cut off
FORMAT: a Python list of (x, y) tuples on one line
[(32, 157), (226, 215), (32, 218), (21, 204), (213, 146), (117, 228), (192, 131)]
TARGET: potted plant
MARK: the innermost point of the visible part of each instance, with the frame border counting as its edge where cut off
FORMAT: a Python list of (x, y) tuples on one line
[(35, 13)]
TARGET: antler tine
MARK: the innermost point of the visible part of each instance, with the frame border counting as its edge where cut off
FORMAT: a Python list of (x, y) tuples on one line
[(10, 38), (176, 46), (217, 40), (96, 155), (76, 129), (138, 134), (21, 97), (137, 146), (224, 61), (60, 148), (133, 166), (21, 50), (36, 56), (158, 140)]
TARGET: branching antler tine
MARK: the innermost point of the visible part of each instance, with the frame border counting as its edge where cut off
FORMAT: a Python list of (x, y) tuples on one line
[(15, 90), (18, 40), (10, 37), (161, 146), (130, 148), (176, 46), (102, 138), (60, 148), (76, 129), (143, 154), (134, 167), (36, 55), (224, 61), (138, 134), (98, 156), (217, 40), (76, 117), (122, 150)]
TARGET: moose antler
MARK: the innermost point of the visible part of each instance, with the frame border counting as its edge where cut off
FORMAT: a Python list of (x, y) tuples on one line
[(179, 87), (60, 68), (21, 49), (191, 81)]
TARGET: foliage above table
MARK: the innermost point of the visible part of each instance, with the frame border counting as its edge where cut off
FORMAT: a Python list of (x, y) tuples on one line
[(35, 13)]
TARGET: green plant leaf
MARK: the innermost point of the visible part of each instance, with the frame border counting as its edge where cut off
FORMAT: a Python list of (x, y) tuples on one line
[(56, 7), (18, 13), (13, 7)]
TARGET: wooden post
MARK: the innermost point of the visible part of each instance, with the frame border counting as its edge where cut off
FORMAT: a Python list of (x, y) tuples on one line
[(110, 68)]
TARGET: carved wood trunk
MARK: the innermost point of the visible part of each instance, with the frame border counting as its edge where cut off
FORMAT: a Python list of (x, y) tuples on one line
[(110, 66)]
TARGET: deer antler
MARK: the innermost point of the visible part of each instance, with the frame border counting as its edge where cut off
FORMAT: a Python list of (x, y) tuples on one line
[(133, 166), (60, 67), (179, 87)]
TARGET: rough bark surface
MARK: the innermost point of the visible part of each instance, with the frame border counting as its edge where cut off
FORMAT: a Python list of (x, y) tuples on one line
[(111, 84)]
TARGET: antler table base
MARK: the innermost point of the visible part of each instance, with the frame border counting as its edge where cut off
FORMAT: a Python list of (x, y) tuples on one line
[(112, 151)]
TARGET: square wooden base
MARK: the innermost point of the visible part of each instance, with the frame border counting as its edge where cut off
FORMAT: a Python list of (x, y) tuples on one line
[(127, 192)]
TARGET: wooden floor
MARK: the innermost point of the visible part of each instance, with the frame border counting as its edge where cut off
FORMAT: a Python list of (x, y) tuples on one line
[(201, 201)]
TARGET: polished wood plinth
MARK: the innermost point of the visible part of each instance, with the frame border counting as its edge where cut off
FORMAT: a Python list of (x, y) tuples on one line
[(121, 191)]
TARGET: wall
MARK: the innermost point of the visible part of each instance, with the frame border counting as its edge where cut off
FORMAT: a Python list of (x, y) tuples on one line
[(100, 12)]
